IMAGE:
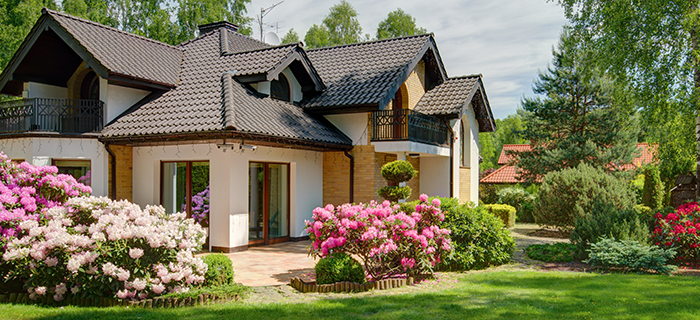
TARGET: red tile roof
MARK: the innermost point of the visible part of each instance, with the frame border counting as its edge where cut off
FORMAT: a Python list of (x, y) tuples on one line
[(508, 173)]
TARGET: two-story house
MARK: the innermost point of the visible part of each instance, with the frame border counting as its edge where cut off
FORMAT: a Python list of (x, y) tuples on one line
[(258, 135)]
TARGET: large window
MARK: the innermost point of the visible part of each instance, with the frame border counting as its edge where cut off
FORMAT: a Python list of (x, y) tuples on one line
[(279, 89), (269, 202), (185, 188), (79, 169)]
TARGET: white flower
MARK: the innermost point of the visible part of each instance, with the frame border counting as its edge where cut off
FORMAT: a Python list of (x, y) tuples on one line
[(139, 284), (135, 253), (40, 291), (73, 265)]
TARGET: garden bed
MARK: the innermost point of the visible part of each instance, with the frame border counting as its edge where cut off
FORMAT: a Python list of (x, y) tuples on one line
[(158, 302), (305, 287)]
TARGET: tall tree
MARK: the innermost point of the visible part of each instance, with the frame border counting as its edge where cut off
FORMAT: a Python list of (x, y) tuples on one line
[(578, 119), (398, 24), (654, 46), (192, 13), (507, 132), (340, 26), (290, 37)]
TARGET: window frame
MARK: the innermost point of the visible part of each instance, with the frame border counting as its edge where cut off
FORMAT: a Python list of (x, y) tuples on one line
[(188, 183), (289, 87)]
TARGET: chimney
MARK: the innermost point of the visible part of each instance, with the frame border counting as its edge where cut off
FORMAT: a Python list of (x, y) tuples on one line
[(216, 25)]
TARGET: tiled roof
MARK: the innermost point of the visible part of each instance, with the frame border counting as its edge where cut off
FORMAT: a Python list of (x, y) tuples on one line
[(362, 73), (508, 174), (207, 99), (504, 158), (124, 53), (448, 97)]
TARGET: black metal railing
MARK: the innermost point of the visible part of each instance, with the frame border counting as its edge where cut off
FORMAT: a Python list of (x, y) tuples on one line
[(53, 115), (406, 124)]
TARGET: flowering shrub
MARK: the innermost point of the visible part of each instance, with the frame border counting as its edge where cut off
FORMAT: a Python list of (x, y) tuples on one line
[(200, 206), (27, 190), (96, 247), (679, 230), (387, 241)]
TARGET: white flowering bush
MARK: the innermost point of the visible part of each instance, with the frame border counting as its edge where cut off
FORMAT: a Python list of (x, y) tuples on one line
[(96, 247)]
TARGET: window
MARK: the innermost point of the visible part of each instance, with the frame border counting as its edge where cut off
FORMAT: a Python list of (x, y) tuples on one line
[(79, 169), (279, 89), (90, 87), (185, 188)]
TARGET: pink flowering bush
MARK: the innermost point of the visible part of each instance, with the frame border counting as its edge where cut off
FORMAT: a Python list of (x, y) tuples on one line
[(96, 247), (386, 240), (679, 230)]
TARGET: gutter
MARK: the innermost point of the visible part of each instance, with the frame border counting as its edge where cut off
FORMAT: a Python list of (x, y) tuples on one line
[(352, 175), (113, 162)]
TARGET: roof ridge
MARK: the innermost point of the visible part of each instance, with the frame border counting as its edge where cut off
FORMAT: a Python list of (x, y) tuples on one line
[(263, 49), (371, 42), (52, 12), (474, 75), (228, 105), (246, 36)]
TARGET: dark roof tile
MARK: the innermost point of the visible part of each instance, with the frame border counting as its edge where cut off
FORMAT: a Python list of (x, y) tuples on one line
[(448, 97)]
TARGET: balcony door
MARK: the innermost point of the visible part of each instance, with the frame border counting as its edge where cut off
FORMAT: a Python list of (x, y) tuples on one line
[(268, 191), (400, 115)]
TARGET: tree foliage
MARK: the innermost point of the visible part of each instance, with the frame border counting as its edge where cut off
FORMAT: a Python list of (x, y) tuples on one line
[(339, 27), (398, 24), (581, 118), (654, 46), (507, 132), (291, 36), (192, 13)]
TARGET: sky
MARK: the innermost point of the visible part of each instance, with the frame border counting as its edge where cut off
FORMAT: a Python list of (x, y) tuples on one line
[(507, 41)]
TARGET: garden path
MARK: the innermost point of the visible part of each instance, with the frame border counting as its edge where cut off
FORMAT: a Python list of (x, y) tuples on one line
[(275, 264)]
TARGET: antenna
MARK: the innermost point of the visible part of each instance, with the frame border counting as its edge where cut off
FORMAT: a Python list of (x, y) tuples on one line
[(263, 13)]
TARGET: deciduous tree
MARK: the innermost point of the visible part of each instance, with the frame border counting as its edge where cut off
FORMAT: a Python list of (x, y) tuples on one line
[(398, 24)]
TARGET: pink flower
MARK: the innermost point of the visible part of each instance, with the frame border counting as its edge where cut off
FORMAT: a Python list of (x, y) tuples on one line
[(135, 253), (408, 263), (158, 288), (436, 202), (40, 291), (423, 197)]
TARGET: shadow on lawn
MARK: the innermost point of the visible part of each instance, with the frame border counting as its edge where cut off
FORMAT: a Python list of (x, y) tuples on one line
[(488, 295)]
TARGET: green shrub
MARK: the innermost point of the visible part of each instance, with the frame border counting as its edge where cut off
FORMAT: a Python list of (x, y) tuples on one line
[(478, 238), (653, 192), (220, 271), (630, 256), (558, 252), (394, 193), (504, 212), (607, 222), (398, 171), (339, 267), (521, 200), (646, 214), (570, 193)]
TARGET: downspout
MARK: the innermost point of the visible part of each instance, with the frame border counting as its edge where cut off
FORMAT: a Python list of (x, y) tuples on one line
[(352, 175), (113, 162)]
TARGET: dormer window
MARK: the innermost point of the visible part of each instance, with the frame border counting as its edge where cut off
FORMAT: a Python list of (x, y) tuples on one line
[(90, 88), (279, 89)]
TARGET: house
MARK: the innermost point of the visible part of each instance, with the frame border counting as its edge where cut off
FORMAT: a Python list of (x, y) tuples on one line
[(258, 135), (508, 172)]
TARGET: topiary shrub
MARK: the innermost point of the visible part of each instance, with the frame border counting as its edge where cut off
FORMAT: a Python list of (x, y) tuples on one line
[(607, 222), (504, 212), (339, 267), (630, 256), (521, 200), (220, 270), (653, 191), (570, 193), (394, 173), (478, 237)]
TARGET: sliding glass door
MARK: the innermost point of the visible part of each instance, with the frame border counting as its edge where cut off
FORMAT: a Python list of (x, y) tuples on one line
[(268, 202), (185, 188)]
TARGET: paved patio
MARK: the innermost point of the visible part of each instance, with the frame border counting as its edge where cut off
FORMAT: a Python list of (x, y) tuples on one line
[(272, 265)]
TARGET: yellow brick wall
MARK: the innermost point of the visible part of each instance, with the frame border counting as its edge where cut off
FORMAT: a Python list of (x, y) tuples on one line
[(464, 184), (415, 85), (336, 184), (124, 155), (76, 80)]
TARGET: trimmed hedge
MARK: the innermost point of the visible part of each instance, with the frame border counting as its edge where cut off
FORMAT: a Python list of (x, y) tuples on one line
[(220, 271), (504, 212), (339, 267)]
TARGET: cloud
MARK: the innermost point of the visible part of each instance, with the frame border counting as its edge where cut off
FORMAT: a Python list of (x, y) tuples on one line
[(507, 41)]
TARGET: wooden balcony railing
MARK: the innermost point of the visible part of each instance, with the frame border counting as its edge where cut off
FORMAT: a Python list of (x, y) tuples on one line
[(408, 125), (52, 115)]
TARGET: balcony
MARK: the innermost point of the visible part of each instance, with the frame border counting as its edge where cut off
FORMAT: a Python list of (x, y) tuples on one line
[(51, 115), (408, 125)]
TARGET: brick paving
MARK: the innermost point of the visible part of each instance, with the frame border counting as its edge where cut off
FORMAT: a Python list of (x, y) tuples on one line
[(273, 265)]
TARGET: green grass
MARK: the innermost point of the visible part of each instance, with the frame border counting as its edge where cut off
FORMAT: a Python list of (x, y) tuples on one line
[(482, 295), (557, 252)]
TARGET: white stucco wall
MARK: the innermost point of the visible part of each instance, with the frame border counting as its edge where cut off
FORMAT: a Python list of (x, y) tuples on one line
[(40, 90), (473, 147), (435, 176), (40, 151), (119, 99), (354, 125), (229, 184)]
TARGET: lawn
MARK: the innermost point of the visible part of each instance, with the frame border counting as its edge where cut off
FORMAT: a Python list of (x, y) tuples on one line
[(481, 295)]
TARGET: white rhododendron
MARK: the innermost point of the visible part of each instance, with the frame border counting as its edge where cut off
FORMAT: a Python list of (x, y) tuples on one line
[(100, 247)]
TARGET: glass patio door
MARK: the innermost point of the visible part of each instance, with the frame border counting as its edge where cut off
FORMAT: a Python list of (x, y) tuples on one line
[(268, 203)]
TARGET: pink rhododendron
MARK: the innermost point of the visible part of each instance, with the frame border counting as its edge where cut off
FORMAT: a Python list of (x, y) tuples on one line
[(135, 253), (387, 240), (678, 230)]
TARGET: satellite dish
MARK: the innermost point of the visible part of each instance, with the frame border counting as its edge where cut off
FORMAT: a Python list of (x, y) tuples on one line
[(272, 39)]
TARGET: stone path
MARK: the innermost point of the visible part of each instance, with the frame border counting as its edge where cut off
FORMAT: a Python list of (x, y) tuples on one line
[(273, 265)]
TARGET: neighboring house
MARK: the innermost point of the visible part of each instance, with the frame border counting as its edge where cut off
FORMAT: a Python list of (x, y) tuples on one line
[(258, 134), (508, 172)]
